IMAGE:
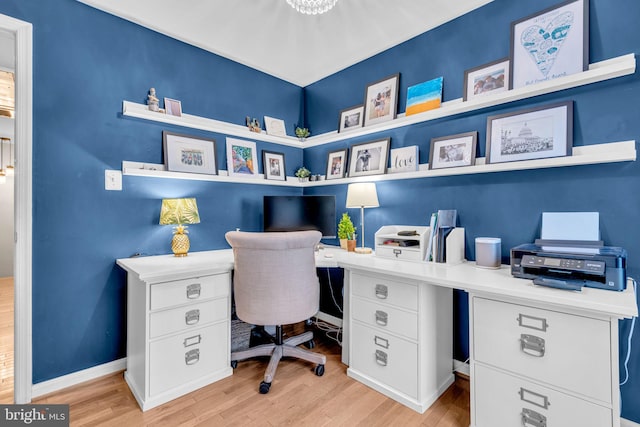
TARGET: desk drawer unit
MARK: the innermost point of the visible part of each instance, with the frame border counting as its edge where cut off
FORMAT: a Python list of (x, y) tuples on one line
[(563, 350), (404, 295), (385, 317), (504, 400), (187, 317), (177, 292)]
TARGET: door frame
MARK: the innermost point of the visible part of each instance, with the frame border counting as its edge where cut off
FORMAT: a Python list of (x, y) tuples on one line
[(22, 33)]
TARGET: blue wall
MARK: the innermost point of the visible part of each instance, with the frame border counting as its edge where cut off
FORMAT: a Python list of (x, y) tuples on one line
[(86, 62), (506, 205)]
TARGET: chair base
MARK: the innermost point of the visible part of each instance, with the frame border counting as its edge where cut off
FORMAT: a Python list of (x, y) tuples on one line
[(279, 349)]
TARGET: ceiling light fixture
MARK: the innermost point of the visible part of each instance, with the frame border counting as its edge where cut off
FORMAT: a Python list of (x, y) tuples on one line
[(312, 7)]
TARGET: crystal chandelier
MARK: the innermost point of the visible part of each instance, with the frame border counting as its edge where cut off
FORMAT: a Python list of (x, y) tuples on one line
[(312, 7)]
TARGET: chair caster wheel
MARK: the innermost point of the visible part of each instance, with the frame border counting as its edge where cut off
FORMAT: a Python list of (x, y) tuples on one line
[(264, 387), (319, 370), (234, 364), (310, 344)]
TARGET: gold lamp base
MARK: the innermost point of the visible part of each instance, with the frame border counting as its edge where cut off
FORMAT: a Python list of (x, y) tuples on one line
[(180, 244), (363, 250)]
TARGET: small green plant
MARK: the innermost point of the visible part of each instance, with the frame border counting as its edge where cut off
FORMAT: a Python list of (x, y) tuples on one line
[(302, 132), (346, 230), (303, 172)]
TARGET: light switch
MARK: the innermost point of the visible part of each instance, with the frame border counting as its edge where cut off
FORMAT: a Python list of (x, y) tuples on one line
[(112, 180)]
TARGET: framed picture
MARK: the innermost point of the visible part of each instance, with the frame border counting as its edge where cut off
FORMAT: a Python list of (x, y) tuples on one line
[(424, 97), (242, 159), (351, 118), (369, 158), (184, 153), (273, 165), (337, 164), (487, 78), (274, 126), (404, 159), (550, 44), (535, 133), (453, 151), (173, 107), (381, 100)]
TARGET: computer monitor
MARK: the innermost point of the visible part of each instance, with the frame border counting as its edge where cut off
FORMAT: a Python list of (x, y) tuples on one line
[(296, 213)]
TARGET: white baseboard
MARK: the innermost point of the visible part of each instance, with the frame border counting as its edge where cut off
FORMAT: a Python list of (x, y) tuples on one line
[(626, 423), (461, 367), (69, 380)]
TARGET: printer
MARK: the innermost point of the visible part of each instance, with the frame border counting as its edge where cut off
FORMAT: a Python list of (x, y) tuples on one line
[(570, 255)]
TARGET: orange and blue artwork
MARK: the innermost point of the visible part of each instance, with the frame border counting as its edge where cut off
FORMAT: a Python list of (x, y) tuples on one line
[(424, 96)]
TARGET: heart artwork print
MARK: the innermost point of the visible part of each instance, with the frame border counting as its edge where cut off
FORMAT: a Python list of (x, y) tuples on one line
[(545, 44)]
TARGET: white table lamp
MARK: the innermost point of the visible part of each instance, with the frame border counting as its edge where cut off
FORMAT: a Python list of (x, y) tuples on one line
[(362, 195)]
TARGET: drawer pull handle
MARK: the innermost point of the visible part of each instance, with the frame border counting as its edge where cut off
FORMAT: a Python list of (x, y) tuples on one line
[(382, 291), (381, 358), (534, 398), (193, 291), (382, 342), (532, 418), (192, 317), (532, 345), (382, 318), (531, 322), (192, 357), (397, 252), (188, 342)]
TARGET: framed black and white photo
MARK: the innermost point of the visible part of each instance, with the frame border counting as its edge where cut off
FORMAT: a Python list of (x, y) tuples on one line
[(184, 153), (404, 159), (274, 126), (381, 100), (351, 118), (273, 165), (369, 158), (173, 107), (453, 151), (550, 44), (337, 164), (535, 133), (485, 79), (242, 158)]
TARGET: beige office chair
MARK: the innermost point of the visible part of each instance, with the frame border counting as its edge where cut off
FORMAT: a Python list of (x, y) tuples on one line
[(275, 283)]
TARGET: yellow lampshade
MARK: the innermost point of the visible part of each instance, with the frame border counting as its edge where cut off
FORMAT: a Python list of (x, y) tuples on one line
[(178, 212)]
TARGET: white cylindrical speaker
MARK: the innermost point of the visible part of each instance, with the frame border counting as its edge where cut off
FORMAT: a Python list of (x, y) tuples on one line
[(488, 252)]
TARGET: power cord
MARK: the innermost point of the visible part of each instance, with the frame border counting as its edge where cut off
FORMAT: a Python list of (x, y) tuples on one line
[(626, 359), (332, 332)]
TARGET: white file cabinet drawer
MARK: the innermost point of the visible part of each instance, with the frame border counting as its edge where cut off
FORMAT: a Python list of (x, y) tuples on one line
[(385, 358), (399, 252), (177, 292), (187, 317), (569, 351), (401, 294), (503, 400), (386, 317), (185, 357)]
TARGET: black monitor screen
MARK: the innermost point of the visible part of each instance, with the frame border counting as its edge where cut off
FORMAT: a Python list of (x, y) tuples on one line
[(297, 213)]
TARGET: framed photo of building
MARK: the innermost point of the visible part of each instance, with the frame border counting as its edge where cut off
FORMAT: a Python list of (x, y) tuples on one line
[(337, 164), (242, 158), (535, 133), (273, 165), (381, 100), (453, 151), (369, 158), (351, 118), (184, 153), (486, 79), (173, 107), (550, 44)]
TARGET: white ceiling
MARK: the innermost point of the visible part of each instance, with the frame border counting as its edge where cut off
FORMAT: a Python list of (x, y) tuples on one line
[(270, 36)]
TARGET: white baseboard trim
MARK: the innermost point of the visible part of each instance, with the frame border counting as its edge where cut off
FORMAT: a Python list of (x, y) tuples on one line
[(626, 423), (69, 380), (463, 368)]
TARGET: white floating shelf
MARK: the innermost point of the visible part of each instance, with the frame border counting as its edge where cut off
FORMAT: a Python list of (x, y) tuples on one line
[(599, 71), (611, 152)]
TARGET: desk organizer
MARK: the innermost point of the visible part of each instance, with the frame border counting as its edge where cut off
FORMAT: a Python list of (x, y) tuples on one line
[(405, 247)]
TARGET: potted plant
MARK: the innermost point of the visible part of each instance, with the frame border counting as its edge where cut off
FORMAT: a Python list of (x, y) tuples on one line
[(302, 133), (346, 230), (303, 173)]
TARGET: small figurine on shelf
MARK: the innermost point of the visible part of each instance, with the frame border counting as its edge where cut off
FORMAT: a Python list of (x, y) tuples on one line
[(152, 100), (253, 124), (302, 133)]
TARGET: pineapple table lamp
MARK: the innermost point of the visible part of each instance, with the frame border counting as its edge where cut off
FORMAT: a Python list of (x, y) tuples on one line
[(179, 212)]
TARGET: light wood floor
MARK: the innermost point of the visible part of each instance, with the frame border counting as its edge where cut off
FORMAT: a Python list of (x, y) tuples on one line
[(297, 397), (6, 340)]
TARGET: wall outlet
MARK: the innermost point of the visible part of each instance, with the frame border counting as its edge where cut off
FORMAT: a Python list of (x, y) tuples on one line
[(113, 180)]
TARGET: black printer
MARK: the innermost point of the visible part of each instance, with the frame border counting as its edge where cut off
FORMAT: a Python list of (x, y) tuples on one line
[(567, 267)]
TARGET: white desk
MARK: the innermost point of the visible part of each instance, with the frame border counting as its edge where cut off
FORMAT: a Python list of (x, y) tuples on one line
[(569, 357)]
